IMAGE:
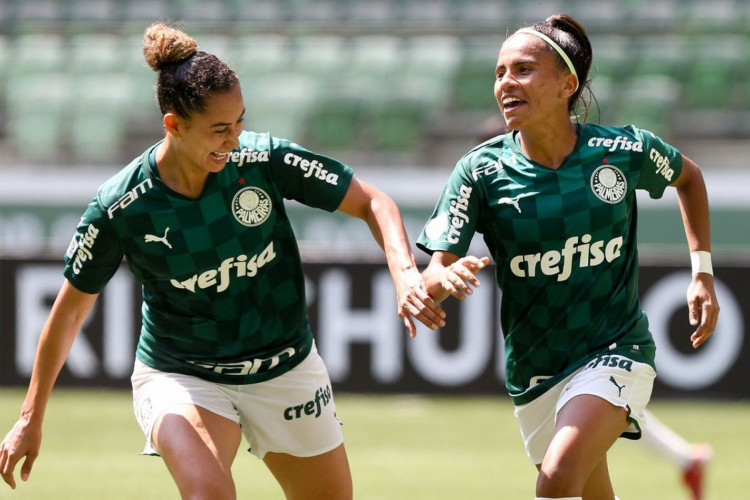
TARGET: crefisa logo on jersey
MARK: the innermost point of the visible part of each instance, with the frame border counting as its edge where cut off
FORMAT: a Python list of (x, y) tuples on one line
[(251, 206), (246, 155), (609, 184)]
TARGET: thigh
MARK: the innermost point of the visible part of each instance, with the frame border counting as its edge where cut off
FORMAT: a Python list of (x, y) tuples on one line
[(586, 427), (601, 402), (618, 380), (326, 476), (193, 425), (156, 393), (537, 421), (191, 438), (598, 484)]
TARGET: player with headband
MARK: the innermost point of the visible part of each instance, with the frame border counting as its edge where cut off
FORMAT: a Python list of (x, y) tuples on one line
[(555, 201)]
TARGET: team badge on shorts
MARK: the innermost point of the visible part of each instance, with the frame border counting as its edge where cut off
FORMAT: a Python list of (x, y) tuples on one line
[(251, 206), (609, 184), (145, 410)]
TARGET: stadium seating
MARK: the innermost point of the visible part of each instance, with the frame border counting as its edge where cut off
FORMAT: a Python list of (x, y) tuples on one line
[(335, 121), (711, 81), (648, 16), (38, 53), (37, 114), (91, 10), (94, 53), (98, 117), (145, 11), (648, 101), (660, 55), (605, 101), (474, 80), (5, 57), (278, 103), (365, 75)]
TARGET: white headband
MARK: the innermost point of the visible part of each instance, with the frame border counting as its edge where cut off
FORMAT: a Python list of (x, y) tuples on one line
[(555, 46)]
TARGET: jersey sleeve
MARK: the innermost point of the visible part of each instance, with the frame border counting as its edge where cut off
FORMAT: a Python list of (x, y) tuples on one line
[(661, 163), (454, 220), (309, 178), (94, 253)]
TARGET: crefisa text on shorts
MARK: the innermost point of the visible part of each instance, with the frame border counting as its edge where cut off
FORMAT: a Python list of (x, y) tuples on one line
[(314, 407)]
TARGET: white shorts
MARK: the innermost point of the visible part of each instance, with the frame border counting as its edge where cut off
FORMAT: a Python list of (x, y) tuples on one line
[(614, 378), (293, 413)]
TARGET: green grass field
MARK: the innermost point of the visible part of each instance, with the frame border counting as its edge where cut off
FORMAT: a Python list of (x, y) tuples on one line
[(400, 447)]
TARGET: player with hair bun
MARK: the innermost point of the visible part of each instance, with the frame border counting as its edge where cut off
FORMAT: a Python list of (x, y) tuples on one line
[(226, 348), (555, 201)]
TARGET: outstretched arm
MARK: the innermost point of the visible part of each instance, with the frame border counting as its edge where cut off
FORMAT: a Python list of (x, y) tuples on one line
[(449, 275), (25, 438), (701, 296), (384, 219)]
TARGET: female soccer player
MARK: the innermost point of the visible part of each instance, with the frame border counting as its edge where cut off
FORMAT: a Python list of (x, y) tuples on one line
[(225, 348), (690, 458), (555, 202)]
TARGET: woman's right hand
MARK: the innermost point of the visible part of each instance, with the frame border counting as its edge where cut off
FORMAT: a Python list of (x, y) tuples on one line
[(447, 275), (70, 310), (23, 440), (459, 278)]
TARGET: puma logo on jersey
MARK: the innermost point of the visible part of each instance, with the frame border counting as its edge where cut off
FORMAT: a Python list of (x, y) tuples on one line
[(514, 201), (150, 238)]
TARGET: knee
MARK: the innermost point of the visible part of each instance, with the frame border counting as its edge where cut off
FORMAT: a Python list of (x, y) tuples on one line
[(339, 488), (558, 481), (208, 490)]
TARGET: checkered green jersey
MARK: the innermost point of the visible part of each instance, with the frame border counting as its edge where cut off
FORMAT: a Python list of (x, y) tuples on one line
[(222, 282), (564, 242)]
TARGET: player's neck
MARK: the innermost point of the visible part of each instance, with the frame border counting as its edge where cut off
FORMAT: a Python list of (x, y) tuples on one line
[(180, 176), (549, 146)]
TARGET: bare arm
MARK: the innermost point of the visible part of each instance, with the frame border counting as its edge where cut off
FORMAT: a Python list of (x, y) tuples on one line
[(65, 320), (384, 219), (448, 275), (701, 296)]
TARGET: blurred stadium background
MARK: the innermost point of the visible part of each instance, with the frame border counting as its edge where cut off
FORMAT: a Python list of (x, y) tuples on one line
[(399, 90), (378, 82), (389, 87)]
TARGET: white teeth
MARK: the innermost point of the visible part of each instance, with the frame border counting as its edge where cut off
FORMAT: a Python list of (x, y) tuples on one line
[(511, 100), (219, 155)]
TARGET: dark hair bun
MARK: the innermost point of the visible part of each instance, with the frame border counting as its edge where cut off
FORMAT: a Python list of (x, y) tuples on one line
[(164, 45), (566, 23)]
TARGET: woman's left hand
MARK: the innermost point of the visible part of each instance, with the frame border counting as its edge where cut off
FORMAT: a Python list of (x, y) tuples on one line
[(413, 300), (703, 307)]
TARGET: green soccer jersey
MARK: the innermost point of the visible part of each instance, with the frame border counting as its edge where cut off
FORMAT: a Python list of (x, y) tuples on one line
[(564, 242), (222, 282)]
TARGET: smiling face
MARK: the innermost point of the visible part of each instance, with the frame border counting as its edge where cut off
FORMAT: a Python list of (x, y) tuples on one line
[(531, 87), (204, 140)]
